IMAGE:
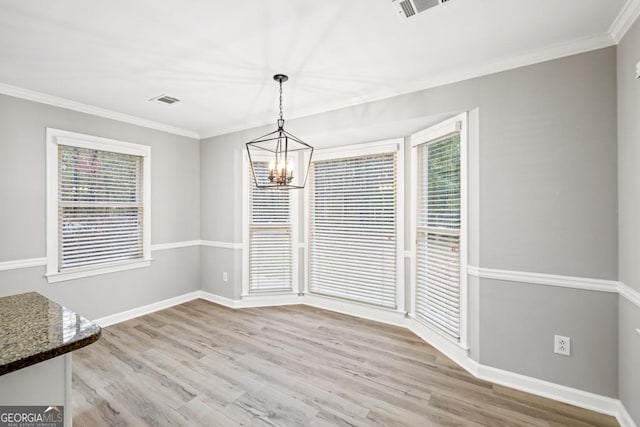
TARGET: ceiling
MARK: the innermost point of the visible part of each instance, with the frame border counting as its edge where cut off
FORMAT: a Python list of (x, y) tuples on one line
[(218, 57)]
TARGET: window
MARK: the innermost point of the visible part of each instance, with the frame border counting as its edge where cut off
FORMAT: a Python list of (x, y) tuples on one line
[(439, 228), (98, 217), (270, 237), (353, 225)]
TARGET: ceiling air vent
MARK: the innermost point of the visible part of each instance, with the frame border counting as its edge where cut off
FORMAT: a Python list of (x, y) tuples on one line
[(409, 8), (165, 99)]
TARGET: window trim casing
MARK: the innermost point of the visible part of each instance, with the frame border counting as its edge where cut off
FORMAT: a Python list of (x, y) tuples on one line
[(364, 149), (54, 137), (421, 137), (294, 221)]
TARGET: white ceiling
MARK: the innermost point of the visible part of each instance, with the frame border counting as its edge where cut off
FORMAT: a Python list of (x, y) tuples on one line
[(218, 57)]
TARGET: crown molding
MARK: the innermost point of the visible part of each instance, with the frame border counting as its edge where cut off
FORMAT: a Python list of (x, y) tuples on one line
[(625, 19), (535, 56), (55, 101)]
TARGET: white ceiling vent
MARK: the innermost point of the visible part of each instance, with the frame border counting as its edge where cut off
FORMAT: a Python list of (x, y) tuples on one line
[(409, 8), (165, 99)]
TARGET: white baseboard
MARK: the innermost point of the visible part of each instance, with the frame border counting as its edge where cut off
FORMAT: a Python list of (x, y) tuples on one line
[(252, 301), (624, 418), (561, 393), (260, 301), (217, 299), (363, 311), (146, 309), (453, 351)]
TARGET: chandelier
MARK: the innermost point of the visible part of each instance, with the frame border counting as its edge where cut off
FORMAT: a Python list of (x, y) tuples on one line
[(274, 156)]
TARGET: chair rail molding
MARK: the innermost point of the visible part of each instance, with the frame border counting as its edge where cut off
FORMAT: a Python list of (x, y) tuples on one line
[(174, 245), (584, 283), (224, 245), (629, 294), (22, 263)]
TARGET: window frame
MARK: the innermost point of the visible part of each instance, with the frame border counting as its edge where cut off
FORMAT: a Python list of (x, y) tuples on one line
[(294, 201), (364, 149), (419, 138), (55, 137)]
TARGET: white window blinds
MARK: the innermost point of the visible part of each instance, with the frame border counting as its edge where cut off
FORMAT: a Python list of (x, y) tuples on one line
[(270, 237), (438, 235), (352, 229), (100, 207)]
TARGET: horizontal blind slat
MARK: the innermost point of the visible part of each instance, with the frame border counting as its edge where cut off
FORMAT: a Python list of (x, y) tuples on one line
[(438, 235), (352, 229), (270, 240), (100, 214)]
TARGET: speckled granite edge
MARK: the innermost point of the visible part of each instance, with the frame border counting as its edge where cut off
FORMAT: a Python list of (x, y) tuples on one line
[(49, 354), (34, 329)]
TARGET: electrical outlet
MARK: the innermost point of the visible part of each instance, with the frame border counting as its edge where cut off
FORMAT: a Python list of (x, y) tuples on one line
[(225, 276), (562, 345)]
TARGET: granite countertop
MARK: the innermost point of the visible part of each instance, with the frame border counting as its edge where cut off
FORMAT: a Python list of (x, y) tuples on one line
[(34, 329)]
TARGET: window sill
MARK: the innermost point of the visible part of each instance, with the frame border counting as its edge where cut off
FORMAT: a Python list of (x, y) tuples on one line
[(80, 272)]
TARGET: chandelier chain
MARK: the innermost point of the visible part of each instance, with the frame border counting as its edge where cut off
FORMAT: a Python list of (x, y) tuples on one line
[(280, 99)]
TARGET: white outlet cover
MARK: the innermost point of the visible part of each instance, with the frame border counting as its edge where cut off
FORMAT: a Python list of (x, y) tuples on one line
[(562, 345), (225, 276), (638, 70)]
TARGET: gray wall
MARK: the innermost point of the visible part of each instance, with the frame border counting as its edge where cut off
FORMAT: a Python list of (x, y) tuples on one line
[(628, 214), (546, 188), (221, 208), (539, 312), (629, 371), (174, 201)]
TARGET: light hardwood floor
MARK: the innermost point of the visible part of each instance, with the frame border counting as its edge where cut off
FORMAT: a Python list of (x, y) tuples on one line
[(203, 364)]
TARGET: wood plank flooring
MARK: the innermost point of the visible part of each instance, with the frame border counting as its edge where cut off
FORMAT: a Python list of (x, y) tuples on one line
[(203, 364)]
